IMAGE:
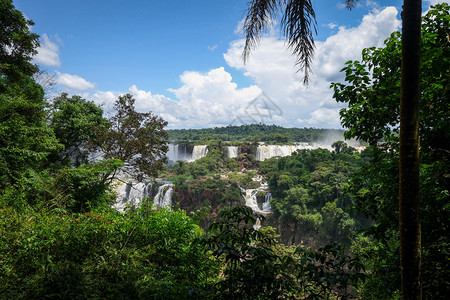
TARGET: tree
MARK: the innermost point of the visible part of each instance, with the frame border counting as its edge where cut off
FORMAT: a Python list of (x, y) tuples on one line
[(251, 268), (298, 24), (25, 139), (76, 124), (138, 139), (372, 115), (17, 44)]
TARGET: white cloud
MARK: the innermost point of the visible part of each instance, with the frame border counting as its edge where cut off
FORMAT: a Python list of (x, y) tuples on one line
[(48, 53), (373, 4), (323, 116), (204, 100), (214, 99), (272, 68), (73, 82), (348, 43), (212, 48), (331, 25)]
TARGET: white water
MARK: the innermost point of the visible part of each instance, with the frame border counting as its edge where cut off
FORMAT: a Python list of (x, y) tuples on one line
[(164, 196), (251, 200), (232, 151), (177, 152), (264, 152), (266, 204), (131, 194), (199, 152)]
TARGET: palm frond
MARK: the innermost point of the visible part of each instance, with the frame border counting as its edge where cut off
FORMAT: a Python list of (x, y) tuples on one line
[(259, 16), (350, 3), (299, 24)]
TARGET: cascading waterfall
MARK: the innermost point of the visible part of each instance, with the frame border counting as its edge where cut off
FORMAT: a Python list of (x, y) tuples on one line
[(199, 152), (131, 194), (266, 204), (177, 152), (264, 152), (164, 196), (233, 151), (252, 201), (173, 152)]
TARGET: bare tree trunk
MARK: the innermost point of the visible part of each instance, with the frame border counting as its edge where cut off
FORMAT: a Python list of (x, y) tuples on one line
[(410, 240)]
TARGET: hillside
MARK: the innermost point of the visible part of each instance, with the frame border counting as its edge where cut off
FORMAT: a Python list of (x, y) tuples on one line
[(256, 132)]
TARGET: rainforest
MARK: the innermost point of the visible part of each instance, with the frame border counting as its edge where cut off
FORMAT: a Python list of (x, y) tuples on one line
[(115, 206)]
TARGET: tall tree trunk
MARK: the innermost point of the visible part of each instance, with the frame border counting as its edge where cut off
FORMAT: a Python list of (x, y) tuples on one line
[(410, 240)]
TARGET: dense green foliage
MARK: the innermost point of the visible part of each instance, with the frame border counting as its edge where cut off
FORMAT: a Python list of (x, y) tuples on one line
[(271, 134), (307, 190), (18, 45), (372, 95), (76, 123), (25, 139), (147, 254), (257, 267)]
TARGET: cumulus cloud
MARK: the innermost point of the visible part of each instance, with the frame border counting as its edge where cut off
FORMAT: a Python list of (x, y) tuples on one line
[(213, 99), (73, 82), (203, 100), (348, 43), (271, 66), (48, 53)]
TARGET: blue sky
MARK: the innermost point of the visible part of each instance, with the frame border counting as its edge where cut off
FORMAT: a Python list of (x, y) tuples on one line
[(181, 59)]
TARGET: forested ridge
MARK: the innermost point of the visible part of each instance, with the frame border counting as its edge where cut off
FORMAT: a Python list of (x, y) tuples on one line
[(332, 231), (255, 132)]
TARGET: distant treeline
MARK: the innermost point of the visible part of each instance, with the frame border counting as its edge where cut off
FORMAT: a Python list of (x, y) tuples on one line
[(256, 133)]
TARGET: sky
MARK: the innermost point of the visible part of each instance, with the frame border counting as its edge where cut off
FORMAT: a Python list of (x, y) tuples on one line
[(182, 59)]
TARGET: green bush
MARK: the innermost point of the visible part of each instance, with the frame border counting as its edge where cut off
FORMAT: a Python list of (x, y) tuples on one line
[(147, 254)]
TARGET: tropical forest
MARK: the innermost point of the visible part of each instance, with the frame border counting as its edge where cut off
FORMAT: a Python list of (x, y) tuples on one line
[(97, 205)]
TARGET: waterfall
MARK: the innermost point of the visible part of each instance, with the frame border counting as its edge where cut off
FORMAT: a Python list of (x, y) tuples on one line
[(252, 201), (264, 152), (164, 196), (172, 153), (199, 152), (266, 204), (131, 194), (176, 153), (233, 151)]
